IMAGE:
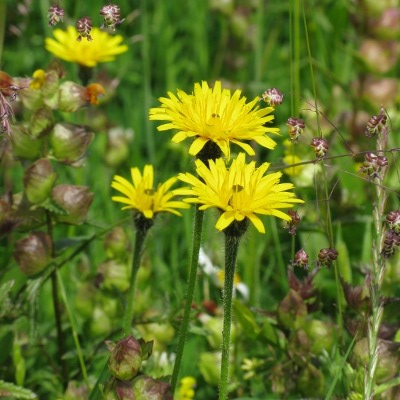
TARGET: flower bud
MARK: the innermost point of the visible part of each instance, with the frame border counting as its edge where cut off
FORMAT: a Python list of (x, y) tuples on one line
[(24, 145), (126, 358), (296, 127), (33, 253), (114, 275), (69, 142), (75, 200), (39, 179), (73, 96), (116, 243), (321, 147), (147, 388), (41, 122), (273, 97)]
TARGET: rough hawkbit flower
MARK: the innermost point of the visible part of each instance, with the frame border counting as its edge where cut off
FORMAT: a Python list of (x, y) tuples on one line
[(393, 219), (103, 48), (142, 197), (326, 257), (273, 97), (321, 147), (239, 192), (186, 390), (373, 165), (296, 127), (84, 27), (376, 124), (215, 115), (292, 225), (55, 15), (112, 16), (300, 259)]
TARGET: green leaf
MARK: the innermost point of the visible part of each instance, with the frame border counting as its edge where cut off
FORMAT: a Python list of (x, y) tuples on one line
[(8, 389), (246, 319)]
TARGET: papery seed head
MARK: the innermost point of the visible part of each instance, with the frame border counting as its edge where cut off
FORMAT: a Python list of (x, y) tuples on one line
[(376, 124), (300, 259), (84, 27), (296, 127), (272, 96), (294, 222), (326, 257), (393, 220), (321, 147), (112, 16), (55, 15)]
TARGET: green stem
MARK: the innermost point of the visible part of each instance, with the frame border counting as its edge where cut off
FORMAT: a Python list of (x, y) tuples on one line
[(140, 238), (57, 308), (197, 230), (231, 250), (73, 327)]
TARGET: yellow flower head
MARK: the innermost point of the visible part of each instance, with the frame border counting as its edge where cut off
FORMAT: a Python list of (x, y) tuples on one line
[(38, 79), (186, 388), (103, 48), (216, 115), (141, 195), (240, 192)]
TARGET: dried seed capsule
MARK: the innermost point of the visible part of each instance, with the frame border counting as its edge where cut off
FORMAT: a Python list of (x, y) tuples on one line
[(321, 147), (111, 15), (55, 15), (84, 26), (272, 96), (296, 127)]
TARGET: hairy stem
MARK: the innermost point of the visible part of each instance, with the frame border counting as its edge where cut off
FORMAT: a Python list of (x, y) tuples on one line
[(231, 250), (197, 230)]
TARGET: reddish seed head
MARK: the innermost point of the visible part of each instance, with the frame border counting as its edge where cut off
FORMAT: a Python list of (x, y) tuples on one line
[(300, 259), (296, 127), (55, 15), (84, 27), (273, 97), (321, 147)]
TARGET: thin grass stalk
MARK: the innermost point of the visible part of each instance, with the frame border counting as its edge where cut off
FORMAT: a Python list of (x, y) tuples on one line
[(74, 327), (378, 274), (194, 261)]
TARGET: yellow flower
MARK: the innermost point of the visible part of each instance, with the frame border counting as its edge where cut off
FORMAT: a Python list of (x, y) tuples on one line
[(38, 79), (142, 197), (240, 192), (186, 388), (103, 48), (216, 115)]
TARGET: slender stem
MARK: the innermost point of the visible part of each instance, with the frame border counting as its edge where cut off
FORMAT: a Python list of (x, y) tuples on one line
[(73, 327), (231, 250), (57, 309), (197, 230), (140, 238)]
